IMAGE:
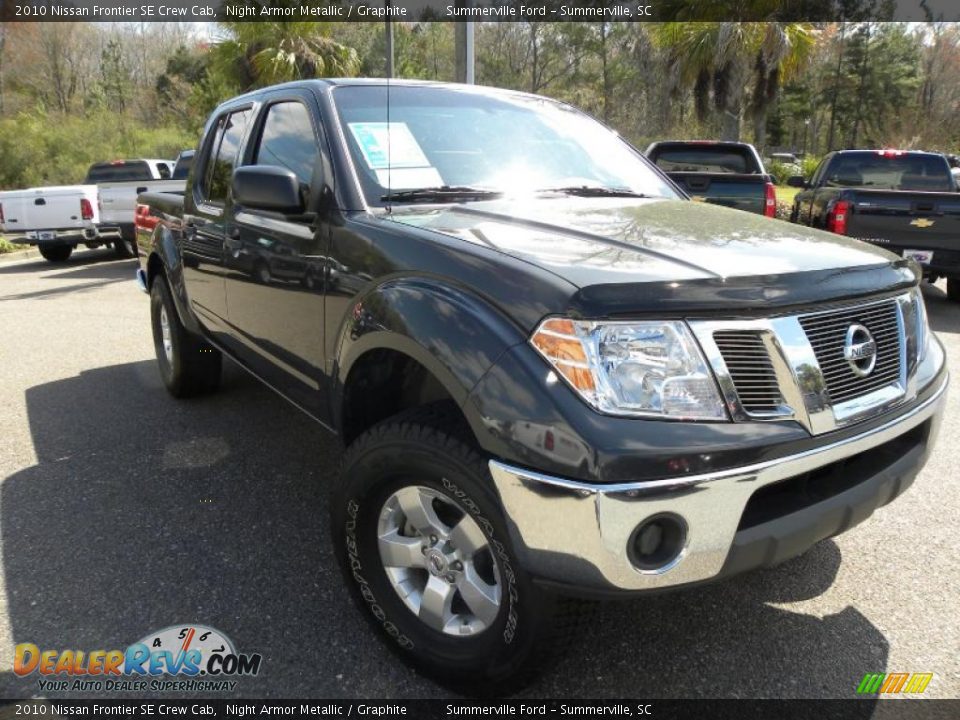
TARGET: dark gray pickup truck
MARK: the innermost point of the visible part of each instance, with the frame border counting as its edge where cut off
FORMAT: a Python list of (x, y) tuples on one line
[(718, 172), (554, 377), (904, 201)]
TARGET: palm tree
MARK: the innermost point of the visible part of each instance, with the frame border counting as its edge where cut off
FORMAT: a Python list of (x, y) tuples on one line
[(263, 53), (717, 60)]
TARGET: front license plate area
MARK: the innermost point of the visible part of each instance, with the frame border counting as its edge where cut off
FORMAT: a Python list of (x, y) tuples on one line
[(924, 257)]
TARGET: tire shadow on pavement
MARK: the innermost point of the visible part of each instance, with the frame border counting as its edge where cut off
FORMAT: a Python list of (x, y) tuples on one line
[(144, 512), (79, 259), (729, 640)]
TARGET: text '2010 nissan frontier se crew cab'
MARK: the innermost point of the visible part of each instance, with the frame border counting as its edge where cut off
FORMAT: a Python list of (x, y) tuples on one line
[(554, 377)]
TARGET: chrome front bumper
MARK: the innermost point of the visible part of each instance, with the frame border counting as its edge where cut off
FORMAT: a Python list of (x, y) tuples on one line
[(577, 534)]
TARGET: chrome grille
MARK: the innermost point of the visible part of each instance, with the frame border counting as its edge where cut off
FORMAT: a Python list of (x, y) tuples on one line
[(827, 331), (751, 370)]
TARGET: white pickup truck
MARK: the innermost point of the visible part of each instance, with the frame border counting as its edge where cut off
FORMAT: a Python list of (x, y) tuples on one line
[(55, 219), (120, 182)]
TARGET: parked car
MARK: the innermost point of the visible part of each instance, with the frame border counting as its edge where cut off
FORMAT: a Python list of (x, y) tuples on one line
[(120, 181), (554, 376), (721, 173), (904, 201), (55, 219), (784, 157), (790, 165)]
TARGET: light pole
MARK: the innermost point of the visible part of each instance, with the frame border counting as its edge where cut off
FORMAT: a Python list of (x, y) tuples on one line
[(806, 125)]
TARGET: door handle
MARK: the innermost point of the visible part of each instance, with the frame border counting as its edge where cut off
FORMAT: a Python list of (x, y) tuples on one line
[(141, 189)]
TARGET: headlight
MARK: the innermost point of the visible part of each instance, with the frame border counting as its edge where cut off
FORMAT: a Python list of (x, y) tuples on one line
[(652, 369)]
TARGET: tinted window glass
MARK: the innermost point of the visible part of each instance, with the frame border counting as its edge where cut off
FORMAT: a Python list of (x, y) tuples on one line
[(705, 159), (182, 169), (287, 140), (907, 171), (227, 144), (120, 171), (818, 173), (163, 170)]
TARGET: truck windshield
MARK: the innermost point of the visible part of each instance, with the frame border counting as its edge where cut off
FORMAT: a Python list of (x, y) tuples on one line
[(481, 144), (704, 158), (883, 171)]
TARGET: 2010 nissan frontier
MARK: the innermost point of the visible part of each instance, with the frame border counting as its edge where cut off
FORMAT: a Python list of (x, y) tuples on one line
[(554, 376)]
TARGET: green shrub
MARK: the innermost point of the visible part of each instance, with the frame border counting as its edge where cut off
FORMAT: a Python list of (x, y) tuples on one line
[(54, 149), (809, 165), (780, 171), (6, 246)]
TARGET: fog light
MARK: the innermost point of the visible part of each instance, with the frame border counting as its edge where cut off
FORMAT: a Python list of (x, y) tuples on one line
[(657, 543)]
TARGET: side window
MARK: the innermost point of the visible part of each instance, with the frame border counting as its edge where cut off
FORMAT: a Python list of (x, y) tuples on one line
[(818, 173), (223, 156), (287, 140), (163, 170)]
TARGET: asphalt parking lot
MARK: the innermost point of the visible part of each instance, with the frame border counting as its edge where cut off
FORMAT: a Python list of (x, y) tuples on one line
[(123, 511)]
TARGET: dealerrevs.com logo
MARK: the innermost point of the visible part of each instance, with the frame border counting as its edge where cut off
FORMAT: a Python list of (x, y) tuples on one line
[(181, 658)]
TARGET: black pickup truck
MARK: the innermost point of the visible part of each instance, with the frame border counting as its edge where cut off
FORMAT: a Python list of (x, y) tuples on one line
[(904, 201), (555, 378), (719, 172)]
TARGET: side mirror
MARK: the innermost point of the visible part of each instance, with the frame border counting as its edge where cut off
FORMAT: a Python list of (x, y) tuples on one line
[(796, 181), (267, 187)]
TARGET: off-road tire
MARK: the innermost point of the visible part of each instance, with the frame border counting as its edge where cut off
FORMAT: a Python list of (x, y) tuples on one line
[(431, 447), (190, 366), (56, 253)]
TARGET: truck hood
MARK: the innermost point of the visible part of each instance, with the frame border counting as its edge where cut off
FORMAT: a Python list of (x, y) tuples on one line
[(617, 250), (591, 242)]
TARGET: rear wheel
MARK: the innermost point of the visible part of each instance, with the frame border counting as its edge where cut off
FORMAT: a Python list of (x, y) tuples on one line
[(424, 547), (188, 364), (953, 289), (56, 253), (261, 273)]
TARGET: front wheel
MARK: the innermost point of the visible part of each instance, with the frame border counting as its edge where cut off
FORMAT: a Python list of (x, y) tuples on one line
[(56, 253), (424, 547), (188, 364), (953, 289)]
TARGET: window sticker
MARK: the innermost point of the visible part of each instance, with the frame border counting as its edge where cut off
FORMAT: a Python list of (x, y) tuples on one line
[(395, 156), (388, 144)]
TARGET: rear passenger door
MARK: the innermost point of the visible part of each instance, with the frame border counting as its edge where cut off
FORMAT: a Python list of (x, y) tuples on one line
[(277, 262), (203, 232)]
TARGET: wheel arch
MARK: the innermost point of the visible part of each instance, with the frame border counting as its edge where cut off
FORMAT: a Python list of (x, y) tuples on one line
[(164, 259), (410, 342)]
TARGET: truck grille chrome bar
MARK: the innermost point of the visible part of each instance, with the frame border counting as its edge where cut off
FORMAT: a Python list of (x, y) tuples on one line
[(823, 369), (827, 333)]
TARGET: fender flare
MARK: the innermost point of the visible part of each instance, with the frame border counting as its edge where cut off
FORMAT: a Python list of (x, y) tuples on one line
[(454, 333), (163, 246)]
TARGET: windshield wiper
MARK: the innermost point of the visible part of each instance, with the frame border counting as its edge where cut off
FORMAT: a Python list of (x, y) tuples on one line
[(594, 191), (444, 193)]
